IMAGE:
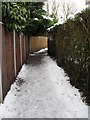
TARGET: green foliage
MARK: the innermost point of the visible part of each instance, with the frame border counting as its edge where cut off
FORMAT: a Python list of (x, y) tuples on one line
[(39, 21), (14, 15), (26, 17), (71, 44)]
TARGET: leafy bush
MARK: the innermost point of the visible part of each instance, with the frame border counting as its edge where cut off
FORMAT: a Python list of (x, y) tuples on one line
[(26, 17), (71, 44), (14, 15)]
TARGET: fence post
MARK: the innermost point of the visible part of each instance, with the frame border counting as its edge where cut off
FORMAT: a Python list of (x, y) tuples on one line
[(21, 49), (1, 93), (14, 52)]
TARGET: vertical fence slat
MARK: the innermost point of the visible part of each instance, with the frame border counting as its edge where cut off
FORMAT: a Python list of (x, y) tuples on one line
[(24, 49), (1, 94), (18, 57), (12, 70), (14, 52), (4, 65), (27, 47), (21, 48)]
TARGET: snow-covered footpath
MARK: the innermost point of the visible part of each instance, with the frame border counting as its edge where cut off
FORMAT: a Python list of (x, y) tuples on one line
[(43, 92)]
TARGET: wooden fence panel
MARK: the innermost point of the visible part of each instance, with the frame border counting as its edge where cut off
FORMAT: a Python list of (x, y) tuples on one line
[(1, 62), (24, 48), (18, 57), (27, 46), (8, 53), (4, 67), (8, 74), (46, 42), (10, 58), (37, 43), (22, 38)]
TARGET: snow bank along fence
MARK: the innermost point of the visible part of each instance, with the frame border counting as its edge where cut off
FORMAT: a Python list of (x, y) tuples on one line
[(37, 43), (13, 53)]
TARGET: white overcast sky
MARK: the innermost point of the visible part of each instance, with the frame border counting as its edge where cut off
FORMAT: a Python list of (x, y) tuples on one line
[(79, 4)]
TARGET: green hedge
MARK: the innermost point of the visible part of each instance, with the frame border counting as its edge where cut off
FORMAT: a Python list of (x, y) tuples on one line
[(69, 43)]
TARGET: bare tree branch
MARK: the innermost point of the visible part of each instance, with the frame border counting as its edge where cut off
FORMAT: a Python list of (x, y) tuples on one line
[(67, 9)]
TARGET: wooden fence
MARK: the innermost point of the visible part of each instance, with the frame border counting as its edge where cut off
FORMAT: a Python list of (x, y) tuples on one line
[(14, 50), (13, 53), (37, 43)]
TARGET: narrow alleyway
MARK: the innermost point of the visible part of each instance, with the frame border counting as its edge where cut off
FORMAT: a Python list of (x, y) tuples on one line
[(42, 90)]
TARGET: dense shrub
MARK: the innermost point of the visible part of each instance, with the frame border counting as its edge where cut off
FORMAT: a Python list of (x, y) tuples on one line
[(70, 43), (26, 17)]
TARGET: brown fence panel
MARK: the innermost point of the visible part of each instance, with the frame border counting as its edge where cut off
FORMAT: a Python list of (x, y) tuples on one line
[(24, 48), (46, 42), (27, 46), (0, 62), (8, 73), (4, 67), (22, 38), (7, 65), (37, 43), (18, 57)]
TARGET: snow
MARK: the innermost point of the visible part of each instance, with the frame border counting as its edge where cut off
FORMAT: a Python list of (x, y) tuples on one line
[(50, 28), (47, 17), (53, 26), (41, 51), (36, 19), (42, 90)]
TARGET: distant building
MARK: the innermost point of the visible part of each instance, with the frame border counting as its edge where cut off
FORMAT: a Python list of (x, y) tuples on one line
[(87, 3)]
